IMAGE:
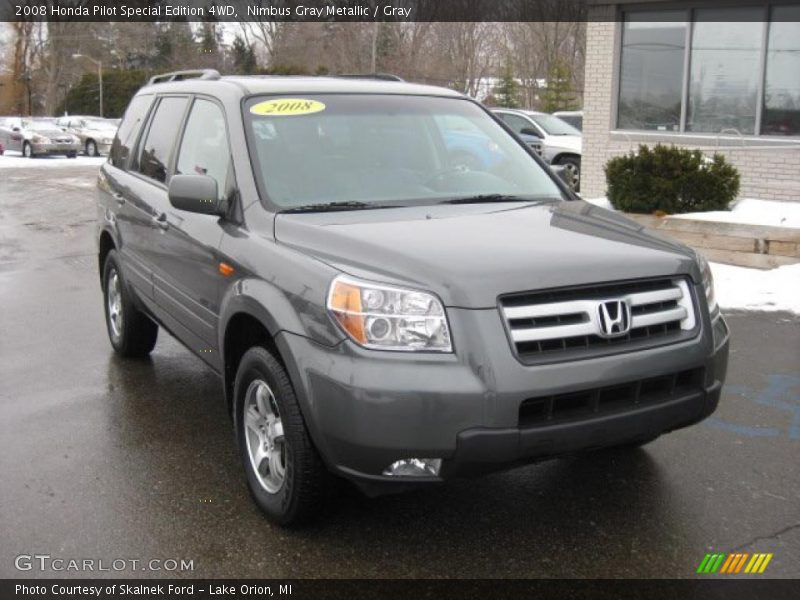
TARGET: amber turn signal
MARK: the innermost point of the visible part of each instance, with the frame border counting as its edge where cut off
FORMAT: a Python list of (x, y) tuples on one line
[(345, 304)]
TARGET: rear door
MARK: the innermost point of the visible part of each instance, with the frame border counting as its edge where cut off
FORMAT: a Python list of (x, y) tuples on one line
[(146, 191), (118, 205)]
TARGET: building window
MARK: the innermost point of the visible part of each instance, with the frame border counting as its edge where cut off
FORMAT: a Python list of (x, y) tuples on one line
[(782, 86), (725, 63), (651, 70), (705, 70)]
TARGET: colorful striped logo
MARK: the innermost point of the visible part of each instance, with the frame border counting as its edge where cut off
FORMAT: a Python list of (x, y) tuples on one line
[(738, 562)]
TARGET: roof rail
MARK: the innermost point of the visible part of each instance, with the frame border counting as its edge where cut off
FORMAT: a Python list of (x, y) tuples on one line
[(381, 76), (211, 74)]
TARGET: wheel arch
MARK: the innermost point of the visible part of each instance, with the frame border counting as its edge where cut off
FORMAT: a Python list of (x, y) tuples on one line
[(564, 155), (105, 244)]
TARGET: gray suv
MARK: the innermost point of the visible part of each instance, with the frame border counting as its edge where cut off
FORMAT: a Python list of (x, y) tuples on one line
[(380, 309)]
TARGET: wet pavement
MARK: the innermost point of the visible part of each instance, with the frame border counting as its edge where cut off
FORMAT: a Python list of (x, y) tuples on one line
[(107, 459)]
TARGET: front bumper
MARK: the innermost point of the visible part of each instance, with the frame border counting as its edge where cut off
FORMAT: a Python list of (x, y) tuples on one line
[(56, 148), (367, 409)]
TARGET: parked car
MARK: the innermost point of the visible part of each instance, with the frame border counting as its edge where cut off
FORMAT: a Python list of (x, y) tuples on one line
[(573, 117), (36, 137), (561, 142), (390, 317), (95, 134)]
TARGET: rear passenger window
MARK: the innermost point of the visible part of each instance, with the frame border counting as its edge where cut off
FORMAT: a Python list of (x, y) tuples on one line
[(204, 149), (128, 130), (154, 152)]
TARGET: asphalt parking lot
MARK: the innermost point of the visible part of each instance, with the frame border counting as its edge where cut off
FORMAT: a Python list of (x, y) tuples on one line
[(103, 458)]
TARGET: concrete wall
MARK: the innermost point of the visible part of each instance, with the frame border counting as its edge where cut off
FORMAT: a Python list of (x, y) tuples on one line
[(769, 167)]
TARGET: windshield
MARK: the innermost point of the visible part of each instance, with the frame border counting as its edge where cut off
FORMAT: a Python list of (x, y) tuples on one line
[(41, 125), (98, 124), (379, 149), (554, 126)]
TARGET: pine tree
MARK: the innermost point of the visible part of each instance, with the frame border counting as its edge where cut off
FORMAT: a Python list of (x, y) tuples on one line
[(558, 95), (506, 92), (244, 57)]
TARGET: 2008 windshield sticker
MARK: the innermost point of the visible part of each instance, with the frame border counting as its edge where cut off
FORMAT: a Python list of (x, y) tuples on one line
[(287, 107)]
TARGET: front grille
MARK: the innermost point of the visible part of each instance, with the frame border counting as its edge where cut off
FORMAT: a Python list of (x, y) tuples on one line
[(567, 323), (585, 404)]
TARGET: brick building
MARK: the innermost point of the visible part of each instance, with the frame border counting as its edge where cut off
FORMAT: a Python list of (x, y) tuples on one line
[(716, 75)]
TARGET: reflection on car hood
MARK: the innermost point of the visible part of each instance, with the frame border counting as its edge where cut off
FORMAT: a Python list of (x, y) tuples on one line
[(573, 143), (470, 254), (48, 133)]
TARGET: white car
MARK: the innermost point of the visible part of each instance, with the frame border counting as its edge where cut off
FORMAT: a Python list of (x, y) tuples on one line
[(561, 142), (95, 134)]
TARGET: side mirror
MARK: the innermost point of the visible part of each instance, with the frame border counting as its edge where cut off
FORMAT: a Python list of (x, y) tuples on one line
[(195, 193), (530, 131), (15, 129)]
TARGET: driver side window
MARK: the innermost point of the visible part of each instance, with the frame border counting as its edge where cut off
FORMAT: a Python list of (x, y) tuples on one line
[(204, 148), (517, 123)]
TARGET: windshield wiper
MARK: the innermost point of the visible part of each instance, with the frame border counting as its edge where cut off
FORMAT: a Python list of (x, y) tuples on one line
[(335, 206), (485, 198)]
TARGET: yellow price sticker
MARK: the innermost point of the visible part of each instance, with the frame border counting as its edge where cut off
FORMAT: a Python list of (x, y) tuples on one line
[(287, 107)]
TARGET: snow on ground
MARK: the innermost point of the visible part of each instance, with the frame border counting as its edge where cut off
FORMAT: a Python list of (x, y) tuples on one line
[(747, 211), (753, 289), (753, 212), (15, 160)]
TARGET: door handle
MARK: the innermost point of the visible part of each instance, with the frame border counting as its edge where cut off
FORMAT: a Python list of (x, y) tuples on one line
[(161, 220)]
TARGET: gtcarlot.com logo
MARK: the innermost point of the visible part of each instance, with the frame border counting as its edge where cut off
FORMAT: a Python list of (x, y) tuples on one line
[(735, 563), (45, 562)]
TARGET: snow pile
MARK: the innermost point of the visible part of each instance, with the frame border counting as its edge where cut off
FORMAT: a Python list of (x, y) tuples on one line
[(17, 161), (753, 289), (750, 211), (747, 211)]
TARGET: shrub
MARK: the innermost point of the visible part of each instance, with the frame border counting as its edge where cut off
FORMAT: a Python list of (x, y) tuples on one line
[(670, 179)]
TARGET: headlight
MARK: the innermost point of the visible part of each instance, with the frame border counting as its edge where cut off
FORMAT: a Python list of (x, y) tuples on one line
[(40, 139), (385, 317), (708, 282), (107, 141)]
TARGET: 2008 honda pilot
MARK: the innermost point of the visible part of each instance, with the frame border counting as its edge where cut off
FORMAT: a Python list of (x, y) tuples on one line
[(393, 288)]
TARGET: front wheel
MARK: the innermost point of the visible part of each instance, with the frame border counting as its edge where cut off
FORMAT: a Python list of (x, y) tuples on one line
[(130, 331), (91, 148), (285, 475), (27, 150), (572, 168)]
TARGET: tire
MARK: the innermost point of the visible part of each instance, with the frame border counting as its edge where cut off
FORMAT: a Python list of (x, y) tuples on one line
[(573, 172), (72, 155), (131, 333), (91, 148), (27, 150), (290, 484)]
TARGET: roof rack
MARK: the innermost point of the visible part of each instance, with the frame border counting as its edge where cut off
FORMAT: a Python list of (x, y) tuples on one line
[(381, 76), (211, 74)]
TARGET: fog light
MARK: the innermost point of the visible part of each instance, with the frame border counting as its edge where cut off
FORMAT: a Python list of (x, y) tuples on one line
[(415, 467)]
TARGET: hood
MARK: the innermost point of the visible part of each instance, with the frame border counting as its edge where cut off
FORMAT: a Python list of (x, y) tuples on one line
[(48, 133), (470, 254), (571, 143), (109, 131)]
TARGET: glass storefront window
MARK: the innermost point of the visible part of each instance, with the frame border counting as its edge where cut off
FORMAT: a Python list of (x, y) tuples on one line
[(651, 70), (727, 70), (781, 114)]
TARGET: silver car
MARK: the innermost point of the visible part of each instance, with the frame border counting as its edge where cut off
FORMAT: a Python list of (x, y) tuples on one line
[(561, 142), (95, 134), (38, 137)]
